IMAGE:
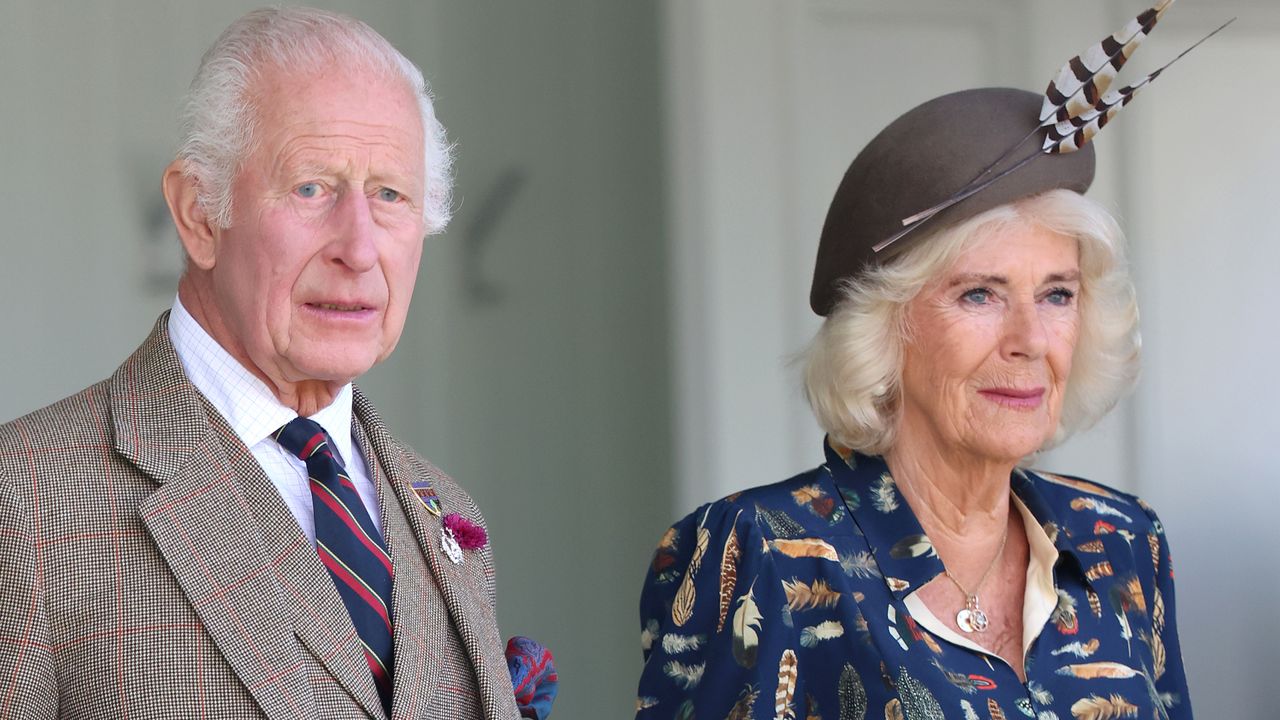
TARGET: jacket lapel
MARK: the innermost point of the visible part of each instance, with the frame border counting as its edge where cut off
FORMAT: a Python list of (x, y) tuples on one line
[(463, 587), (201, 523), (415, 601)]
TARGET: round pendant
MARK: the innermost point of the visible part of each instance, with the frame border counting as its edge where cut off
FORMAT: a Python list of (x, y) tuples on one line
[(971, 620)]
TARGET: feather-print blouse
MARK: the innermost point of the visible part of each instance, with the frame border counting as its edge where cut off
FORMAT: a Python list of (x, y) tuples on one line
[(794, 600)]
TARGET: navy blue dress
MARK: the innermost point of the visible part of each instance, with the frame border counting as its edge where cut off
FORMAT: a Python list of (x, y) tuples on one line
[(787, 601)]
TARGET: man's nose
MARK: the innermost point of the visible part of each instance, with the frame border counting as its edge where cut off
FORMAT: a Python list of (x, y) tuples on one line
[(354, 233)]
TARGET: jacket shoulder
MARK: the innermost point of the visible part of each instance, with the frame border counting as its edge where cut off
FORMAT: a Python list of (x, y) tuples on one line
[(78, 421), (1083, 504)]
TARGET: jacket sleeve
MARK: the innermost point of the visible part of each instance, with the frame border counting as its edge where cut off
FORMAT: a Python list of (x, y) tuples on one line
[(28, 685), (711, 614), (1168, 675)]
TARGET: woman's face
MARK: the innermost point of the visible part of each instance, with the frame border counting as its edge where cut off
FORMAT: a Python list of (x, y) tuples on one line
[(989, 347)]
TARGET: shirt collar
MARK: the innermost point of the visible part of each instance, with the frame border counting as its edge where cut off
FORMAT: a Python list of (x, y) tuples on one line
[(902, 551), (243, 400)]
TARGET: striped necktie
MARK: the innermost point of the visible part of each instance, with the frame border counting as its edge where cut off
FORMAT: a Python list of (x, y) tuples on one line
[(349, 545)]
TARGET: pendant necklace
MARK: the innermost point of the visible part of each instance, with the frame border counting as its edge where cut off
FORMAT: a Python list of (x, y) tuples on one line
[(971, 618)]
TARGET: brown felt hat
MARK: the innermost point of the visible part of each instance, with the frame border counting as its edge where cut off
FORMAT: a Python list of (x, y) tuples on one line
[(926, 156)]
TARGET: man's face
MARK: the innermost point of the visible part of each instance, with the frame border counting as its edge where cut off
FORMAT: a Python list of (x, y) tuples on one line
[(312, 280)]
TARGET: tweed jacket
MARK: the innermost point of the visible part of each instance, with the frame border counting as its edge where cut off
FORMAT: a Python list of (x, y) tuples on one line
[(149, 569)]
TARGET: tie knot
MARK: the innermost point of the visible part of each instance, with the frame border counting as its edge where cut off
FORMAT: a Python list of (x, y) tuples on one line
[(302, 437)]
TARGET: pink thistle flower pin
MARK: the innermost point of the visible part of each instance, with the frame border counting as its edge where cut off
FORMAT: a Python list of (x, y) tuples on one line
[(468, 535)]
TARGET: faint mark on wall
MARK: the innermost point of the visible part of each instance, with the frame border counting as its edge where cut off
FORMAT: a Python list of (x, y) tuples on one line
[(479, 232)]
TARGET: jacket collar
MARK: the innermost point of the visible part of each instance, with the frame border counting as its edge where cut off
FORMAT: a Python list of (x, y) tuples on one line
[(905, 556)]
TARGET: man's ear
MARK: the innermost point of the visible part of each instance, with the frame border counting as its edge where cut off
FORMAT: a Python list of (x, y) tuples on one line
[(194, 227)]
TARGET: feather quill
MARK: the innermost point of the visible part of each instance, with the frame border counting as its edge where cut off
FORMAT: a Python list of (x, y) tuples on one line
[(682, 605), (1076, 105), (1099, 708), (728, 572), (787, 672), (853, 695), (1085, 77), (746, 627)]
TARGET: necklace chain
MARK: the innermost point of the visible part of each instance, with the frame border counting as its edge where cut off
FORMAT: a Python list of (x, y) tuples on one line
[(972, 618)]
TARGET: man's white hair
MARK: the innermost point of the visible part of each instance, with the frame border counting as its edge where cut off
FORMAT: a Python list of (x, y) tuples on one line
[(853, 372), (219, 116)]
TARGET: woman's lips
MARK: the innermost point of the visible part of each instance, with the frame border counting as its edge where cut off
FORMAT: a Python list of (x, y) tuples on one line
[(1015, 398)]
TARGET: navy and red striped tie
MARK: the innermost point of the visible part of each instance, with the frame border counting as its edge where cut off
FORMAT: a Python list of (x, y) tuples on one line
[(349, 545)]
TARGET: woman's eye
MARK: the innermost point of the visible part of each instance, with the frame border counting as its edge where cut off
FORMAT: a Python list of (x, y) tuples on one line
[(1061, 296), (388, 195), (308, 190), (977, 296)]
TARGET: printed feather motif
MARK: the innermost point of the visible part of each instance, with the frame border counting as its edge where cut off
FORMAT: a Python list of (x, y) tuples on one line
[(917, 702), (811, 708), (1095, 605), (912, 546), (814, 634), (675, 644), (1154, 541), (1064, 614), (779, 522), (861, 564), (1101, 570), (1079, 649), (806, 547), (787, 671), (969, 712), (966, 684), (644, 702), (728, 572), (746, 627), (1098, 506), (993, 709), (805, 596), (883, 496), (1099, 708), (682, 605), (853, 695), (1093, 546), (893, 710), (1126, 596), (648, 635), (741, 710), (686, 676), (1039, 693), (1093, 670)]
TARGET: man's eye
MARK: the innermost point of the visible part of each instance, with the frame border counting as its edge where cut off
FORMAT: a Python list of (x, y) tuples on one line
[(308, 190), (388, 195), (977, 296)]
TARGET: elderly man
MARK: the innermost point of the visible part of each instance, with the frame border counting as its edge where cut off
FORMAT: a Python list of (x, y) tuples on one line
[(225, 528)]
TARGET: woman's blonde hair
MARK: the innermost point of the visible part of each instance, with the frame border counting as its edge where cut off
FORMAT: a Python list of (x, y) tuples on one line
[(853, 367)]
